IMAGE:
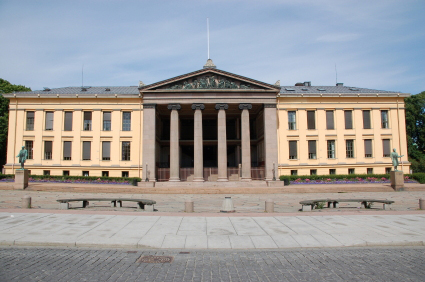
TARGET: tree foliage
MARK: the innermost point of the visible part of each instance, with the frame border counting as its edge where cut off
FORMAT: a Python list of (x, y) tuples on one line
[(415, 129), (6, 87)]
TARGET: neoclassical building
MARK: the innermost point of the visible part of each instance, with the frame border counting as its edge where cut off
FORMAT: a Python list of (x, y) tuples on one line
[(207, 126)]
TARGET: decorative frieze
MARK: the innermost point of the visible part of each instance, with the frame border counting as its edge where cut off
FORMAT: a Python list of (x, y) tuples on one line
[(221, 106), (174, 107), (198, 106), (209, 82), (245, 106)]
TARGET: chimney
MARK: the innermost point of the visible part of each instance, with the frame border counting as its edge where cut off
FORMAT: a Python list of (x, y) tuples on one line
[(339, 84), (307, 83)]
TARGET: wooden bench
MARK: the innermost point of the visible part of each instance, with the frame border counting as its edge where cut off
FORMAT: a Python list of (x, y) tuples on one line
[(309, 205), (141, 203)]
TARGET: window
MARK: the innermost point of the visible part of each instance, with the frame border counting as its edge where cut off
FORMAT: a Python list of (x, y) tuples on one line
[(125, 150), (29, 145), (293, 150), (65, 172), (292, 124), (106, 121), (351, 171), (87, 121), (49, 121), (387, 170), (68, 121), (86, 173), (330, 120), (294, 172), (126, 121), (67, 150), (312, 149), (86, 150), (384, 119), (348, 119), (332, 171), (349, 148), (366, 119), (105, 173), (30, 121), (311, 120), (368, 148), (48, 150), (313, 171), (369, 170), (386, 148), (124, 173), (331, 149), (106, 150), (46, 172)]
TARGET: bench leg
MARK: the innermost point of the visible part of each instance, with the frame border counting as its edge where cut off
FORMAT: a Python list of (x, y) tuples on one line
[(119, 203), (64, 206), (386, 206), (364, 205), (306, 208), (149, 208), (330, 205), (140, 206), (113, 204), (85, 204), (336, 205)]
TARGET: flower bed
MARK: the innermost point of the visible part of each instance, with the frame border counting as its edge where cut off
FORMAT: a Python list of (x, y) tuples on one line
[(75, 179), (345, 179)]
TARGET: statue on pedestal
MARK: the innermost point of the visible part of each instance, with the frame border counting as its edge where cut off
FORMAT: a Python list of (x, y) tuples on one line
[(23, 155), (394, 158)]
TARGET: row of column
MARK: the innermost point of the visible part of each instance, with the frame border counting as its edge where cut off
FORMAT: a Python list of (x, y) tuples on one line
[(198, 142)]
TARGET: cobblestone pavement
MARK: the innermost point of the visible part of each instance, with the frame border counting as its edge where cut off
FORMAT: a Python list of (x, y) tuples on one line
[(349, 264), (251, 203)]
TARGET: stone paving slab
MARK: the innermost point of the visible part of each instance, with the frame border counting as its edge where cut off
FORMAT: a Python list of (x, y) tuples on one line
[(210, 232)]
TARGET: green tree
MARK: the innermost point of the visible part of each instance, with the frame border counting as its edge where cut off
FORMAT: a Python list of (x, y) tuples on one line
[(6, 87), (415, 129)]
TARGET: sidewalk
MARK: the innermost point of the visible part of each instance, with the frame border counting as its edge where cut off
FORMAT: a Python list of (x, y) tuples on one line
[(99, 229)]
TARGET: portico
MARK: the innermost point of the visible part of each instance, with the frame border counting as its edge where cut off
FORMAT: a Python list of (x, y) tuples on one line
[(209, 126)]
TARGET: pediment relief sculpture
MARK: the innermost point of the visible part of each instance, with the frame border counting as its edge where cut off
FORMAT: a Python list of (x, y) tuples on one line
[(209, 82)]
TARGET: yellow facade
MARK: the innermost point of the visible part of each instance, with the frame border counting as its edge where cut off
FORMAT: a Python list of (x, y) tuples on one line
[(312, 154)]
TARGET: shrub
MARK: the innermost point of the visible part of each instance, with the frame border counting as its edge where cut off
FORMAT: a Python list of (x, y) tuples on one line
[(419, 176), (77, 179)]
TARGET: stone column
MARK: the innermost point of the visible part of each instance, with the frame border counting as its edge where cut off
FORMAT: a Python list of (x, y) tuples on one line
[(198, 145), (270, 141), (149, 142), (221, 142), (174, 142), (246, 142)]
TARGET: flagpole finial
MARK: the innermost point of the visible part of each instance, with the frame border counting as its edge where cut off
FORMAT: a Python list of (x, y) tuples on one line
[(209, 65)]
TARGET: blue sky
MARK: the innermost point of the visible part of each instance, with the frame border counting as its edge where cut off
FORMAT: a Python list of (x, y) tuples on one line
[(377, 44)]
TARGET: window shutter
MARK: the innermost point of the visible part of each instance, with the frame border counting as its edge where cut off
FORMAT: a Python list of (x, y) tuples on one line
[(49, 120), (330, 120), (366, 119), (386, 147), (86, 150), (293, 148), (368, 147), (48, 146), (106, 150), (312, 147), (67, 149), (348, 119), (311, 123), (68, 121)]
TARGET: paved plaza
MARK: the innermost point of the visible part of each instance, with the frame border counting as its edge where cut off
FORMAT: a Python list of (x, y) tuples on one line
[(348, 264)]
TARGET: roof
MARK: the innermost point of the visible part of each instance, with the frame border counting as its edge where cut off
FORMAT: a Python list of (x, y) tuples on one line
[(88, 90), (328, 89)]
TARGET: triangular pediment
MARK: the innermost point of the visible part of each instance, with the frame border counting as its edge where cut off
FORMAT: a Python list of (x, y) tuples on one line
[(209, 79)]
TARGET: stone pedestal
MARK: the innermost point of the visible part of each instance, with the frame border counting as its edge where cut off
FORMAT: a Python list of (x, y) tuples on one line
[(21, 179), (188, 206), (269, 206), (397, 180)]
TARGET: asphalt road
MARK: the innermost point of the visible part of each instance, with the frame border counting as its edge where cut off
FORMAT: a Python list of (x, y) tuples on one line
[(316, 264)]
